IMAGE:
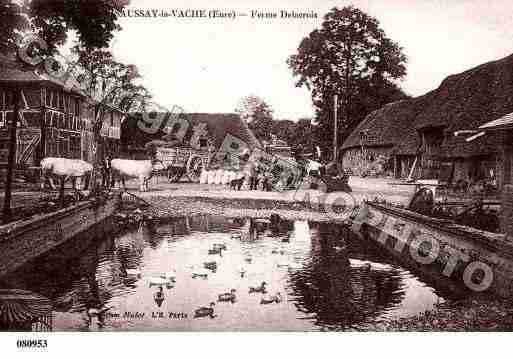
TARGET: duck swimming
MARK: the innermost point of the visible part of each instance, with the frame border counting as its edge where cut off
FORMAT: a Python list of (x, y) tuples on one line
[(210, 265), (95, 312), (236, 235), (216, 251), (158, 281), (159, 295), (133, 272), (171, 275), (259, 289), (227, 297), (199, 273), (268, 299), (220, 246), (242, 271), (277, 250), (205, 311)]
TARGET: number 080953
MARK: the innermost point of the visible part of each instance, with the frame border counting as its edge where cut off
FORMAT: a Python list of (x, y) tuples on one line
[(31, 343)]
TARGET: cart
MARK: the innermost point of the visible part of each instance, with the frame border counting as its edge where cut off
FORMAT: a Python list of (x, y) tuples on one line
[(180, 161)]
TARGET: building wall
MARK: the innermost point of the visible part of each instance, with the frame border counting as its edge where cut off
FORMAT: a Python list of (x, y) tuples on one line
[(67, 121), (505, 164), (358, 162), (473, 168), (507, 210), (403, 165), (507, 179)]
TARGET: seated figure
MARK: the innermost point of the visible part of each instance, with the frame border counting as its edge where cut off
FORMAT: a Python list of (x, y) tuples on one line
[(335, 178)]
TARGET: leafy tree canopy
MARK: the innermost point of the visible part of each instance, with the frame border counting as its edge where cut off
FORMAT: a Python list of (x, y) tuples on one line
[(349, 56), (258, 114), (94, 21)]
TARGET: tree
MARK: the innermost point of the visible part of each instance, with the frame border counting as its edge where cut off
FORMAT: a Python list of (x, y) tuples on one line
[(303, 131), (13, 21), (349, 56), (284, 130), (111, 84), (258, 114), (94, 22)]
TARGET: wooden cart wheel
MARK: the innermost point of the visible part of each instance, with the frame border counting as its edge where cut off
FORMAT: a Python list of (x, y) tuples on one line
[(194, 167), (174, 174)]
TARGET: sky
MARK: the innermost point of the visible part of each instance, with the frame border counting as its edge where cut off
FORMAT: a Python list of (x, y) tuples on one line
[(208, 65)]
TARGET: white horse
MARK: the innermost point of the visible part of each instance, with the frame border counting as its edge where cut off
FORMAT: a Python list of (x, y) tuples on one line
[(140, 169), (64, 168)]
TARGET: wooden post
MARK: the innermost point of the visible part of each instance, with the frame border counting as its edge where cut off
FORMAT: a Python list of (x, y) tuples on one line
[(335, 134), (42, 141), (11, 159), (61, 191)]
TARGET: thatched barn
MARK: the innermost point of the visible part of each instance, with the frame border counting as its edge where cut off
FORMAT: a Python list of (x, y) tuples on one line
[(387, 132), (219, 127), (421, 130)]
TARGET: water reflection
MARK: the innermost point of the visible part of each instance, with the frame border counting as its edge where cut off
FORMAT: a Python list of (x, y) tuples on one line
[(340, 293), (325, 280)]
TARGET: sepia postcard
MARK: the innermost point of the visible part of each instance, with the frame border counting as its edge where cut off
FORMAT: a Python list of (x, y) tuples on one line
[(243, 166)]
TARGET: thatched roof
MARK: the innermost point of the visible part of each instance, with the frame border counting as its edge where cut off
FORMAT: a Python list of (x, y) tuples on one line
[(462, 102), (218, 126), (390, 126), (15, 71)]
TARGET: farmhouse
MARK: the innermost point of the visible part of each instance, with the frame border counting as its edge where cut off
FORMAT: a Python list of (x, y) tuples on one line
[(53, 122), (387, 132), (417, 135), (216, 126)]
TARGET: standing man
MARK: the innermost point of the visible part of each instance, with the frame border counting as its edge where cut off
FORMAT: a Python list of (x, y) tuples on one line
[(106, 172)]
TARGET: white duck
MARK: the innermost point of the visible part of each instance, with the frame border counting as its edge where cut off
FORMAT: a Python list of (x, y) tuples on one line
[(170, 275), (236, 235), (133, 272), (241, 270), (158, 281)]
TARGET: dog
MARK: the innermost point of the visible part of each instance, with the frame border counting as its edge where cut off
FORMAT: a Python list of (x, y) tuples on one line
[(237, 183)]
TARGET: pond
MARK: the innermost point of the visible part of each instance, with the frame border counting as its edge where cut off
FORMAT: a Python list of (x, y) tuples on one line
[(326, 277)]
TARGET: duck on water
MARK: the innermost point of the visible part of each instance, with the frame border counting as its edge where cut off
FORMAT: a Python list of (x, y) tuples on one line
[(268, 299), (259, 289), (205, 311), (227, 297)]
